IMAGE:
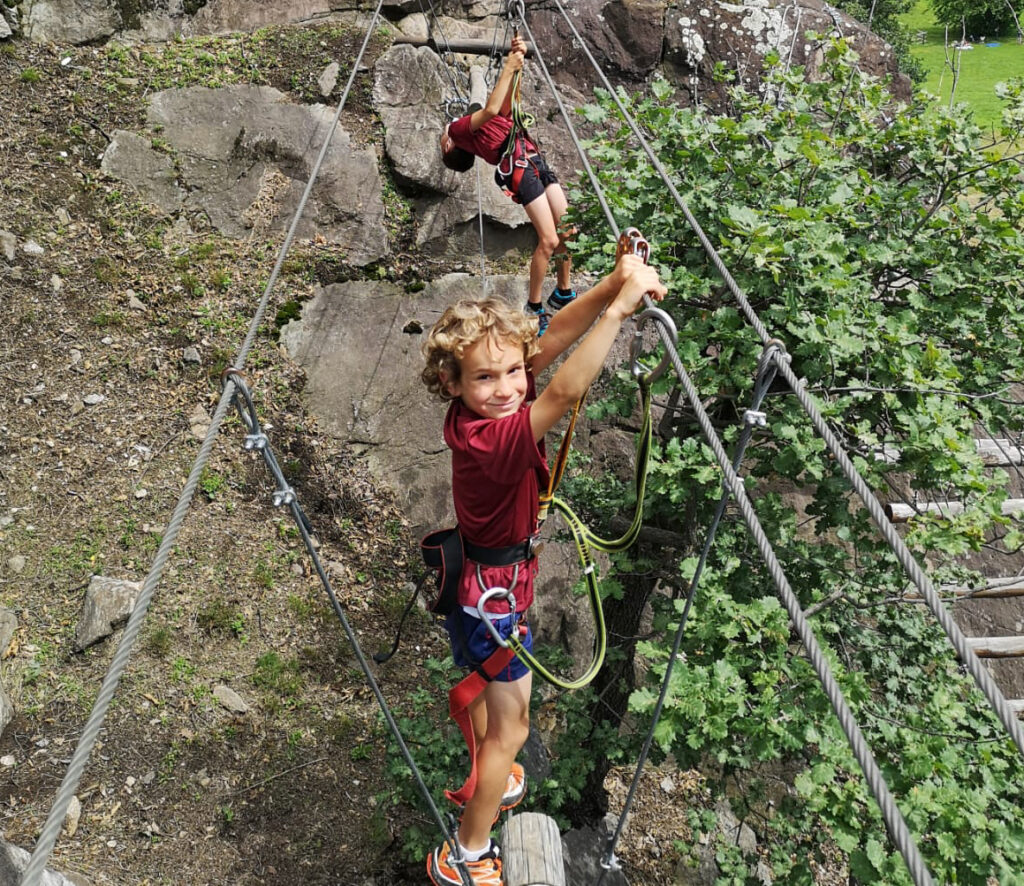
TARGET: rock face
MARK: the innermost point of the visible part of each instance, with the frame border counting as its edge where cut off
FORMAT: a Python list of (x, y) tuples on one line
[(245, 155), (359, 344)]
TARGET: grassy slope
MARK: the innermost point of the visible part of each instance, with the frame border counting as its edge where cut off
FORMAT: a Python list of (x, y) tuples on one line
[(980, 68)]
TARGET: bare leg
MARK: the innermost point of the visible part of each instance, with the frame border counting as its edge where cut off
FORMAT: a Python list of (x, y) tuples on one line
[(508, 725)]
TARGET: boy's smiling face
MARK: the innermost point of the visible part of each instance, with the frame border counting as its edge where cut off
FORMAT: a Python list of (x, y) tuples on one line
[(493, 378)]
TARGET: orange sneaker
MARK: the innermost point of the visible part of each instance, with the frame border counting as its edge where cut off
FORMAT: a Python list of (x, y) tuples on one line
[(484, 872)]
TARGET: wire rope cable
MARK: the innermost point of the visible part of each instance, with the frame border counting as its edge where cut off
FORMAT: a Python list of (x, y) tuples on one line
[(959, 642), (751, 419), (256, 439), (36, 865), (893, 817)]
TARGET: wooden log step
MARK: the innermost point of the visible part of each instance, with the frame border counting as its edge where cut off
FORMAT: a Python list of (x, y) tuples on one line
[(1000, 452), (994, 588), (1016, 705), (531, 851), (997, 647), (461, 44), (897, 512), (994, 452)]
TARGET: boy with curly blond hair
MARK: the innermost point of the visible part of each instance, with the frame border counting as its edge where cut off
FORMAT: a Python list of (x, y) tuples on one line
[(481, 357)]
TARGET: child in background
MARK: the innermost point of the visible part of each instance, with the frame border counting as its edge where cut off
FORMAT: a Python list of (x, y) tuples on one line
[(481, 357), (484, 133)]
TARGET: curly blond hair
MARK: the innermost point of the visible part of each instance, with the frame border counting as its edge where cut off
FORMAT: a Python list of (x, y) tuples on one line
[(465, 323)]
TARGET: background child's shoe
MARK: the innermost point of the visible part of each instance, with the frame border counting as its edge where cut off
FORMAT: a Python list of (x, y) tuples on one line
[(484, 872), (559, 298), (543, 317)]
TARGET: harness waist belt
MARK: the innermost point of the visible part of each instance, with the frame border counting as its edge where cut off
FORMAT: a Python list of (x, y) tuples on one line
[(507, 556)]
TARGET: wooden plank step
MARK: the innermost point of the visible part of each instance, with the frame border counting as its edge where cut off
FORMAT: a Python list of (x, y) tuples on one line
[(997, 647), (994, 588), (994, 452), (1016, 705), (531, 851), (897, 512)]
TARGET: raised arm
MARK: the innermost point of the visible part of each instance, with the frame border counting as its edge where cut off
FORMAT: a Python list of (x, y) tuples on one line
[(624, 288), (500, 99)]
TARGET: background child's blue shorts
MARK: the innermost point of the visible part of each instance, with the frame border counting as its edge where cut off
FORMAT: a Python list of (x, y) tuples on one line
[(480, 644)]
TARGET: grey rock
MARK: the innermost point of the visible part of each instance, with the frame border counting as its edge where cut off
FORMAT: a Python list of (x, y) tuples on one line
[(9, 245), (8, 625), (699, 35), (6, 709), (5, 29), (131, 158), (30, 247), (191, 355), (93, 399), (582, 852), (230, 699), (16, 564), (245, 155), (77, 21), (14, 860), (108, 603), (328, 79)]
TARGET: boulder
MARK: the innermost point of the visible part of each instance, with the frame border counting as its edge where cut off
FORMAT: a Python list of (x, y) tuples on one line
[(699, 35), (14, 860), (71, 21), (132, 159), (245, 155), (108, 603)]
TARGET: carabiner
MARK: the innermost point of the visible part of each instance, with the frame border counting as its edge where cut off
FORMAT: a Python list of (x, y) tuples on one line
[(490, 594), (636, 345), (632, 242)]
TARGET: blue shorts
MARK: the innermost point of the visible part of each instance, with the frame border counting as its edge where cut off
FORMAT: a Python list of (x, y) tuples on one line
[(479, 642)]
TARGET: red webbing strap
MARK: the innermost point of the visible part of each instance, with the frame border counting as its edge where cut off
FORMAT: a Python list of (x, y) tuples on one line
[(460, 697)]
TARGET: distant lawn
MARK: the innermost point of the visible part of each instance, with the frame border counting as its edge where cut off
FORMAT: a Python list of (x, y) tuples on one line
[(980, 68)]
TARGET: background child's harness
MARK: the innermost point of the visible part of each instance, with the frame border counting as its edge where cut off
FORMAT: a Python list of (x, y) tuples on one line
[(514, 157)]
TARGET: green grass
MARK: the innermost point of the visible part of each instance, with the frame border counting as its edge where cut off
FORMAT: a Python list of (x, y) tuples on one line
[(980, 68)]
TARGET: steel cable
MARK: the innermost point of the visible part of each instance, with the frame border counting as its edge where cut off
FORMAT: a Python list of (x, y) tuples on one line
[(765, 374), (973, 664), (893, 817), (256, 439), (36, 866)]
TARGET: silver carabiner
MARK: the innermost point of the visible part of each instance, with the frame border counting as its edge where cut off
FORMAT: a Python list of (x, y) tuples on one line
[(636, 345), (491, 594)]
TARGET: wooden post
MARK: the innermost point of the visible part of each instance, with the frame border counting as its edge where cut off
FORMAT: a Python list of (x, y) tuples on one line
[(997, 647), (898, 512), (999, 451), (531, 851), (477, 88), (464, 46)]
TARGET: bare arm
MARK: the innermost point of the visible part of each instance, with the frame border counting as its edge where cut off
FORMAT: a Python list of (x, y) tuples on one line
[(500, 99), (625, 288)]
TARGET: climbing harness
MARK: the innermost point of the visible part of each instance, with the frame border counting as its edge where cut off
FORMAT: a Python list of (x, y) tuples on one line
[(514, 156)]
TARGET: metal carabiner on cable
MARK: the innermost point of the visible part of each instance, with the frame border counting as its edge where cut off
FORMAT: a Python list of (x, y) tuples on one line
[(636, 345), (632, 242)]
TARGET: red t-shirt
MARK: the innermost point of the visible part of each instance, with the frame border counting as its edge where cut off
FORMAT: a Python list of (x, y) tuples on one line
[(486, 141), (497, 472)]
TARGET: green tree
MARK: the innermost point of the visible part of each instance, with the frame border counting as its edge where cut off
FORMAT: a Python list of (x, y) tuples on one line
[(883, 17), (883, 245), (978, 17)]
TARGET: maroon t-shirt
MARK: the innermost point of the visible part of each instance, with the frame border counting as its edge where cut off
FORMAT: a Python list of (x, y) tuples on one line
[(497, 472), (486, 141)]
